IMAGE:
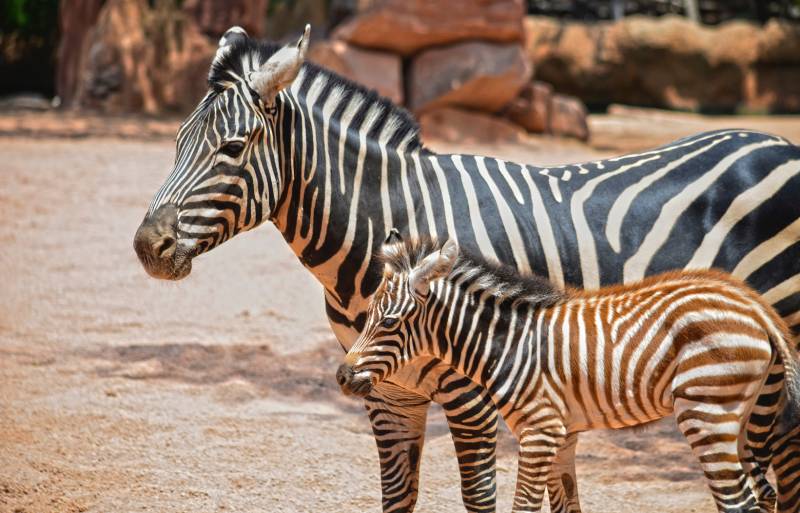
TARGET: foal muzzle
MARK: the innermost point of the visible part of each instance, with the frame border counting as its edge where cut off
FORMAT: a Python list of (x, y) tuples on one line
[(352, 383)]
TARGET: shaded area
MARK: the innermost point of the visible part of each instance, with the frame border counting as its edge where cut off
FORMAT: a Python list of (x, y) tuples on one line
[(302, 376), (28, 40)]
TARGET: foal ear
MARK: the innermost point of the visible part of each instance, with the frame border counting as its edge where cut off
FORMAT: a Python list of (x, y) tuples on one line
[(281, 69), (394, 236), (433, 266)]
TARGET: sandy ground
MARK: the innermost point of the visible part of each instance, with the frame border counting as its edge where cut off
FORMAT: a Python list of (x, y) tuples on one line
[(119, 393)]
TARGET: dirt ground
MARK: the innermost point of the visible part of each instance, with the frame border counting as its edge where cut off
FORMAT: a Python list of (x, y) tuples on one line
[(119, 393)]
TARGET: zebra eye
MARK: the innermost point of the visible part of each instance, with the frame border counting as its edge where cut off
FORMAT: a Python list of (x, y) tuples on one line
[(389, 322), (232, 148)]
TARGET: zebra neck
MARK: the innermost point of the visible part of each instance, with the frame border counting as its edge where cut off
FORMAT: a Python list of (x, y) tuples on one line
[(342, 166), (499, 351)]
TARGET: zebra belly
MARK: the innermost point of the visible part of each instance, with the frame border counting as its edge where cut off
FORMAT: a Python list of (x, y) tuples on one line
[(724, 369), (611, 379), (618, 408)]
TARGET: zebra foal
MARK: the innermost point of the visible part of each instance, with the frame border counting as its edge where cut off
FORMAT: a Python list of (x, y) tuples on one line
[(698, 344)]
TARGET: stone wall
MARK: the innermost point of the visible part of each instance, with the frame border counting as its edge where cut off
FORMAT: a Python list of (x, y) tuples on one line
[(142, 56), (153, 56), (437, 54), (670, 62)]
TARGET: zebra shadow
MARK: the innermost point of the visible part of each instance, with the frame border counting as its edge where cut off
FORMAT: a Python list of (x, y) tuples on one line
[(239, 373), (236, 372), (653, 452)]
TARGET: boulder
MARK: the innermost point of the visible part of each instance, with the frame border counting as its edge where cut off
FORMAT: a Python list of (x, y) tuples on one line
[(74, 24), (668, 62), (476, 75), (779, 43), (138, 62), (457, 126), (214, 17), (771, 88), (408, 26), (568, 117), (531, 108), (735, 42), (381, 71)]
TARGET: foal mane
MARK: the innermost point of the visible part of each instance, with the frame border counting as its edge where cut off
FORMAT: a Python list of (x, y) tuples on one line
[(477, 273)]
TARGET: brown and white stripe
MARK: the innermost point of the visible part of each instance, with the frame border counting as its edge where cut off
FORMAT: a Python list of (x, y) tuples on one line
[(699, 344)]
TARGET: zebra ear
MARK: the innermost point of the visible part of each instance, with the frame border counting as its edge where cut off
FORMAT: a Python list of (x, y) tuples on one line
[(433, 266), (230, 36), (281, 69)]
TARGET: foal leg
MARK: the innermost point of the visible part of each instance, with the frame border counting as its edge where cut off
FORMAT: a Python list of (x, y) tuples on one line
[(756, 469), (786, 463), (398, 424), (562, 485), (712, 409), (785, 451), (473, 419), (538, 446), (760, 435), (713, 433)]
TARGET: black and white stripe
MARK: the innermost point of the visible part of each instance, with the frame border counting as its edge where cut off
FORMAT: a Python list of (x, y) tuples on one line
[(335, 167)]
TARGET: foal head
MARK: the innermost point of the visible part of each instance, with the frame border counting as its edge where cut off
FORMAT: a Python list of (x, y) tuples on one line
[(396, 330)]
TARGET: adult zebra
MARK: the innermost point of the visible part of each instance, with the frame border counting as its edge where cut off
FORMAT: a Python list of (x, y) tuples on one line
[(336, 168)]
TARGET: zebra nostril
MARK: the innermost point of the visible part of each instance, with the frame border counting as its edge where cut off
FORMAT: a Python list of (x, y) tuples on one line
[(164, 245), (343, 374)]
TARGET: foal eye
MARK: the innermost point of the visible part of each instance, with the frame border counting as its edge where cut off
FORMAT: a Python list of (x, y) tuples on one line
[(389, 322), (232, 148)]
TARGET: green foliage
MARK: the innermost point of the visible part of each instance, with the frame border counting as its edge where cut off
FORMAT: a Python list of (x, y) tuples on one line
[(275, 6), (29, 17), (28, 39)]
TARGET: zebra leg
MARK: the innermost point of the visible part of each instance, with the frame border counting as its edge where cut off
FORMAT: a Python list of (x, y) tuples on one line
[(760, 434), (472, 418), (786, 463), (756, 469), (712, 430), (398, 423), (538, 445), (562, 485), (785, 450)]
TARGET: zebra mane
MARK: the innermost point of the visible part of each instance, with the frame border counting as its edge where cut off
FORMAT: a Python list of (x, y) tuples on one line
[(246, 54), (476, 273)]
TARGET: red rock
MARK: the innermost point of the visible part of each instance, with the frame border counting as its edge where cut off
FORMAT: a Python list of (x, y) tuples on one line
[(531, 109), (669, 62), (75, 21), (568, 117), (214, 17), (457, 126), (136, 62), (779, 43), (408, 26), (381, 71), (477, 75)]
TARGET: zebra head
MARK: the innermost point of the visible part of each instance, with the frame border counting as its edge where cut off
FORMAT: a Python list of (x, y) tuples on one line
[(397, 327), (227, 177)]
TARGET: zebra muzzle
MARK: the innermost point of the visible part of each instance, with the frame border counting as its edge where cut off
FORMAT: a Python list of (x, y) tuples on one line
[(158, 248), (352, 383)]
